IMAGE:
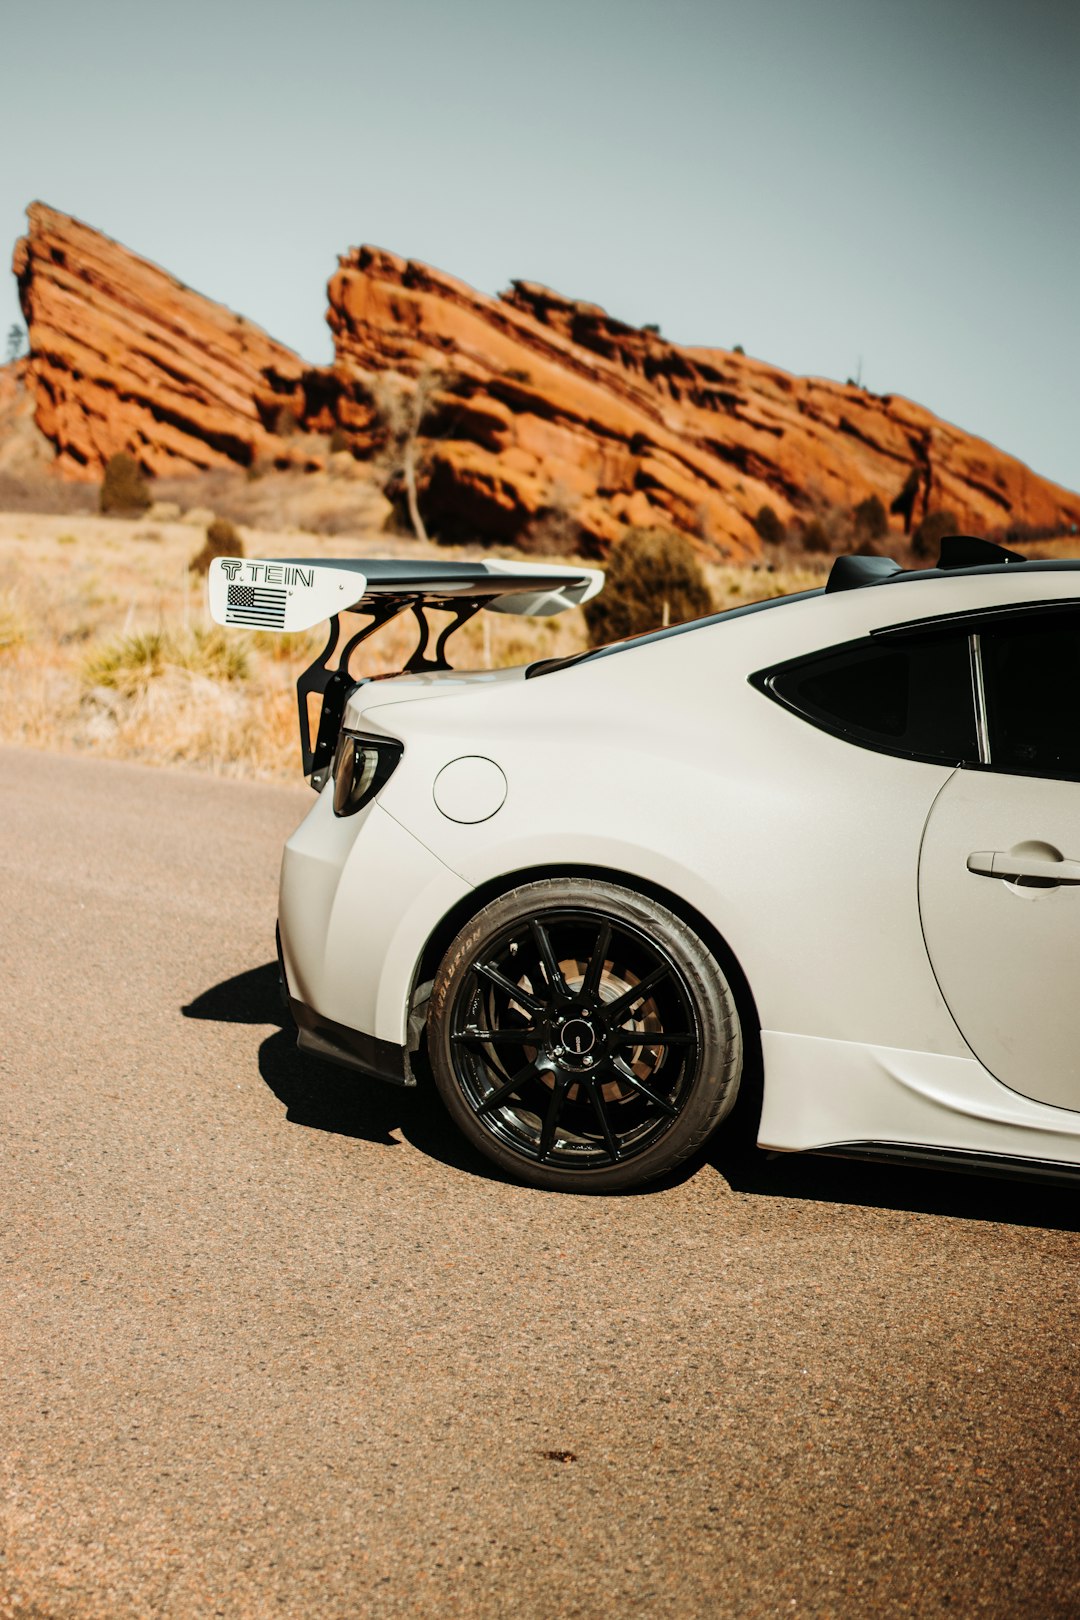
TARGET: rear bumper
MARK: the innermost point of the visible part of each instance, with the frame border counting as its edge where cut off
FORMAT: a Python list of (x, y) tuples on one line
[(360, 897), (379, 1060)]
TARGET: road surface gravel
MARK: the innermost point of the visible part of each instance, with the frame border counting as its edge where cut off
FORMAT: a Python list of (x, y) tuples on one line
[(276, 1344)]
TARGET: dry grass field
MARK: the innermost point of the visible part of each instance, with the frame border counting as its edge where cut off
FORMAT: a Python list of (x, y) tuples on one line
[(106, 645)]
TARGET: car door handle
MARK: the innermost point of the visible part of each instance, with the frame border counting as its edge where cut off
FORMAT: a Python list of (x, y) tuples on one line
[(1000, 864)]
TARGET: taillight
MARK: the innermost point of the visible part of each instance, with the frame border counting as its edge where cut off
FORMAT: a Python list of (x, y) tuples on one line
[(361, 766)]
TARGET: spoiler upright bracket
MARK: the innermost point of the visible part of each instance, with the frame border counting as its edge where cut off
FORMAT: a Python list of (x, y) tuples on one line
[(419, 663), (334, 685)]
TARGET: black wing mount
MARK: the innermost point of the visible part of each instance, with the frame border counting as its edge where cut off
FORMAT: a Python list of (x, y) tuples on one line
[(334, 682)]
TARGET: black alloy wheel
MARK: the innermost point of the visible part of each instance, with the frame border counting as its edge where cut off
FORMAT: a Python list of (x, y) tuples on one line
[(583, 1036)]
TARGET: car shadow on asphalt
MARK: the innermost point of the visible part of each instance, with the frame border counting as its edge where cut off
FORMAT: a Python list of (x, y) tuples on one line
[(321, 1096), (816, 1178)]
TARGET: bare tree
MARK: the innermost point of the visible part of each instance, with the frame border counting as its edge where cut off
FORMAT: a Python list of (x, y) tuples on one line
[(401, 407), (16, 338)]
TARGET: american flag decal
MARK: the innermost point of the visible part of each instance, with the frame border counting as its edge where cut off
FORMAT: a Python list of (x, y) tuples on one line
[(258, 605)]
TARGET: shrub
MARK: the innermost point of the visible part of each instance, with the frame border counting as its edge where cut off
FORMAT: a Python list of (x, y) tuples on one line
[(926, 541), (815, 537), (653, 578), (1022, 534), (769, 526), (223, 539), (123, 488), (556, 530), (130, 663), (870, 519), (219, 655)]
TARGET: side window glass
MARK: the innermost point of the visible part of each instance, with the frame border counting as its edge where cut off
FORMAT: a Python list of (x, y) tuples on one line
[(1031, 672), (912, 698)]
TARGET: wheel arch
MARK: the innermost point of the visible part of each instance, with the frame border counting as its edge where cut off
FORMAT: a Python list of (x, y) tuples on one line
[(455, 919)]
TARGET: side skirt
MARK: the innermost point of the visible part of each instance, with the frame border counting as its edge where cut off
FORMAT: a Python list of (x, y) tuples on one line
[(914, 1156)]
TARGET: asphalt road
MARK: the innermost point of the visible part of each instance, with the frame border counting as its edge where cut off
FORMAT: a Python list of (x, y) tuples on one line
[(275, 1344)]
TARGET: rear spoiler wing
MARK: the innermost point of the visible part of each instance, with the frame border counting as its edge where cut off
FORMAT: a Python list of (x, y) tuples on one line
[(286, 594)]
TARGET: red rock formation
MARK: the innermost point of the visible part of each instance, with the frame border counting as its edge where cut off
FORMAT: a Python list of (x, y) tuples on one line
[(125, 357), (550, 411), (541, 420)]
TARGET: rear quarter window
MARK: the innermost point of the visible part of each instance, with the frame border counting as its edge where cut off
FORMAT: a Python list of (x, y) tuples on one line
[(910, 698)]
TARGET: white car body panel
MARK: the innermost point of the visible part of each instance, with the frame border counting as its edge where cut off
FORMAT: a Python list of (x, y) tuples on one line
[(721, 842), (823, 1094), (998, 949), (662, 765), (360, 894)]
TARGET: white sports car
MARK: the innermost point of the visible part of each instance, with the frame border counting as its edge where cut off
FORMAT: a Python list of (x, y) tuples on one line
[(837, 834)]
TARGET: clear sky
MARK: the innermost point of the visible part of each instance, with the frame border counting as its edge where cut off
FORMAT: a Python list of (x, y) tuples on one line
[(894, 183)]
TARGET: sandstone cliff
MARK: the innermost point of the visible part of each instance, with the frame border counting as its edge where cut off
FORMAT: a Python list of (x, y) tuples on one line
[(125, 357), (528, 417), (548, 409)]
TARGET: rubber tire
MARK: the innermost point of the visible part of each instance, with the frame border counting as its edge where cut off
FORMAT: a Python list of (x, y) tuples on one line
[(714, 1090)]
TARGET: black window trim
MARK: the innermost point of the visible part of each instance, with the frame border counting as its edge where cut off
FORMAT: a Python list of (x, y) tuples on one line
[(764, 681), (986, 617)]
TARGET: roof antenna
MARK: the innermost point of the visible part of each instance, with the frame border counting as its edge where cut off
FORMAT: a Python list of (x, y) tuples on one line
[(850, 572), (970, 551)]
